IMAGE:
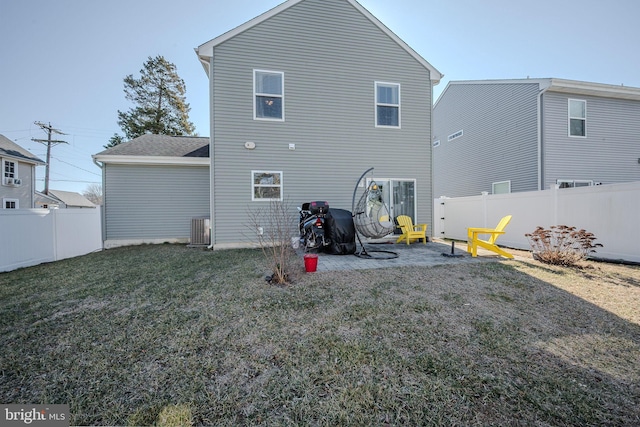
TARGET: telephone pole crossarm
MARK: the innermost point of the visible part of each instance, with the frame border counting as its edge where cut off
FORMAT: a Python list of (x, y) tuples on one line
[(49, 143)]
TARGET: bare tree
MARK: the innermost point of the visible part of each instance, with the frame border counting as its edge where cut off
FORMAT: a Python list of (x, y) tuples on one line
[(274, 226), (93, 193)]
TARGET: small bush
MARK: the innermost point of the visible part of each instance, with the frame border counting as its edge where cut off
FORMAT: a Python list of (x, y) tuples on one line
[(274, 226), (561, 244)]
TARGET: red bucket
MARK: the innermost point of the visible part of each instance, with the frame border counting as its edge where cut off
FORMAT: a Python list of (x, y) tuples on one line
[(310, 262)]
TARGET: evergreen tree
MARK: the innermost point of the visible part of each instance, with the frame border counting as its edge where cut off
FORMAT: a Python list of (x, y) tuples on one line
[(115, 140), (159, 96)]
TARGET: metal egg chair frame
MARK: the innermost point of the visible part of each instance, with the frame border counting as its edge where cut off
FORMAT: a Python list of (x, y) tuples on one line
[(371, 218)]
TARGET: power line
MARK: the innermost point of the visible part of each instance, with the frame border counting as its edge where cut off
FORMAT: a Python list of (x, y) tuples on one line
[(50, 143), (77, 167), (71, 180)]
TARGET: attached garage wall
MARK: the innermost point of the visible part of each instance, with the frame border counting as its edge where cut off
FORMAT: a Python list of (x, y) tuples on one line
[(153, 204)]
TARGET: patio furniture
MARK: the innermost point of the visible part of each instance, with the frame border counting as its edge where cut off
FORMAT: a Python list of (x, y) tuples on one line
[(411, 231), (473, 238)]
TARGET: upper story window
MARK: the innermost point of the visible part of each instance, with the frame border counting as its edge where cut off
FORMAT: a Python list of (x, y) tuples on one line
[(266, 185), (577, 117), (455, 135), (9, 171), (268, 87), (387, 105)]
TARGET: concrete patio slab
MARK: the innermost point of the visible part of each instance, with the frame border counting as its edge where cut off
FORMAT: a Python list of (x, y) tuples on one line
[(416, 254)]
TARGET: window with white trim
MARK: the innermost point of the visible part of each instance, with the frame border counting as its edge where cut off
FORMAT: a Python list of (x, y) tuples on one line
[(387, 104), (455, 135), (268, 99), (9, 171), (501, 187), (572, 183), (10, 204), (266, 185), (577, 118)]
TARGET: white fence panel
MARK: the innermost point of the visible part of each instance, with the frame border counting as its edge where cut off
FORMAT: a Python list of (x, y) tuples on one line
[(608, 211), (78, 233), (34, 236), (27, 238)]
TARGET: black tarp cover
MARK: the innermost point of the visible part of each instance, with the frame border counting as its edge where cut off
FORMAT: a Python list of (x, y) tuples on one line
[(340, 229)]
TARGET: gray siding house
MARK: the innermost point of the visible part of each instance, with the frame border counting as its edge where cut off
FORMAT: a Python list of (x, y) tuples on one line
[(152, 187), (303, 100), (18, 185), (58, 199), (529, 134)]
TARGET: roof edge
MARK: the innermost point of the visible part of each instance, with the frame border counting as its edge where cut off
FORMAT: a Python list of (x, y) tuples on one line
[(563, 86), (152, 160), (205, 50)]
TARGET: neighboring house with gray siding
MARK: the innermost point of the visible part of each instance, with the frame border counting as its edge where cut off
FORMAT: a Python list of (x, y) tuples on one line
[(18, 185), (153, 186), (303, 99), (529, 134), (58, 199)]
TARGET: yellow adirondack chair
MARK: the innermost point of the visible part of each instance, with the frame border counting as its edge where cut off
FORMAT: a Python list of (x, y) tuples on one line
[(411, 231), (473, 238)]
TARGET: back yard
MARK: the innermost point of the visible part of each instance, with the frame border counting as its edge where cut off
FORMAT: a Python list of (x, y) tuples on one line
[(141, 334)]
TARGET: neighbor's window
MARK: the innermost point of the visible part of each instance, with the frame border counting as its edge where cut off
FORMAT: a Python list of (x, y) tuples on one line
[(455, 135), (268, 97), (10, 204), (502, 187), (572, 183), (387, 104), (577, 117), (266, 185), (9, 170)]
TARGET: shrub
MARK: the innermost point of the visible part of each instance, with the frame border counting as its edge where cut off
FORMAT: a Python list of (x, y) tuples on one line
[(561, 244), (274, 226)]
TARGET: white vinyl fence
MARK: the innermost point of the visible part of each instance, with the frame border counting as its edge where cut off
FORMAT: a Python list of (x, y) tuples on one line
[(33, 236), (610, 212)]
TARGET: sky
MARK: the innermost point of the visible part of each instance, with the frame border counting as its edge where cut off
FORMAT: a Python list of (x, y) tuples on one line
[(63, 61)]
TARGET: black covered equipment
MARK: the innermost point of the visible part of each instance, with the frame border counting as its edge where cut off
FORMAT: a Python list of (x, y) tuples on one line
[(341, 231)]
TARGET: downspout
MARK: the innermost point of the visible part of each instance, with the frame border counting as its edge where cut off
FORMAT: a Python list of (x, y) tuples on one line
[(433, 207), (103, 222), (212, 222), (540, 141)]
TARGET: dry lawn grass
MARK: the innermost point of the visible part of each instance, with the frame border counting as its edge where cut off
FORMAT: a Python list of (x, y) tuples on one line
[(133, 335)]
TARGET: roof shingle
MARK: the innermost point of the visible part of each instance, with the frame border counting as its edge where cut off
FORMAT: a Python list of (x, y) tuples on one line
[(161, 146)]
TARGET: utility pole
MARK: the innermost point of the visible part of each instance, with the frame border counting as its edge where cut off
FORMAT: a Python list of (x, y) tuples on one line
[(49, 143)]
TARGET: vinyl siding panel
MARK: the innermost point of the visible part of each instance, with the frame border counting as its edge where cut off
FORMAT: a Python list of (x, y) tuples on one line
[(24, 193), (609, 153), (153, 202), (330, 55), (499, 142)]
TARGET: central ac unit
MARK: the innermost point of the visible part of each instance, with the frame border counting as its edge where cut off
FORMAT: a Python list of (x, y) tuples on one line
[(200, 231)]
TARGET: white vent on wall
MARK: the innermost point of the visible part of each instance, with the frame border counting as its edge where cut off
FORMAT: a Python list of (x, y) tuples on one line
[(200, 231)]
